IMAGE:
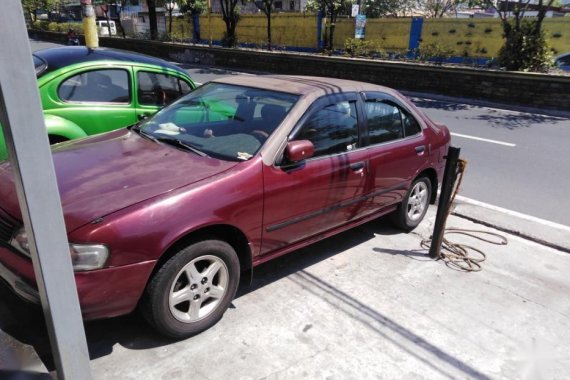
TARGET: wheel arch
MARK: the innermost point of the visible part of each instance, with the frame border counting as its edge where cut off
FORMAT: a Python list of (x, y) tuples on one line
[(63, 128), (224, 232)]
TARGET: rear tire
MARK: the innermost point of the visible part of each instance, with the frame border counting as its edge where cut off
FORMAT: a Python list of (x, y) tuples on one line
[(413, 208), (192, 290)]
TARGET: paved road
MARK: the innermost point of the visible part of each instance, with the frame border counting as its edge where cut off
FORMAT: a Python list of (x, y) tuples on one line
[(517, 160), (524, 167)]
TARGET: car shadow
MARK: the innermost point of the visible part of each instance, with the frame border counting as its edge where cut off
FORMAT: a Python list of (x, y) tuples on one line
[(26, 323)]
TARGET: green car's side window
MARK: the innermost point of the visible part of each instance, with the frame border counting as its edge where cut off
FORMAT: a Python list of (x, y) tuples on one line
[(184, 86), (97, 86), (156, 89)]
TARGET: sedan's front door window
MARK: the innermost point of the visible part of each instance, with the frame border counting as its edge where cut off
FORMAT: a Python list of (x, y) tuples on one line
[(333, 129), (97, 86), (156, 89)]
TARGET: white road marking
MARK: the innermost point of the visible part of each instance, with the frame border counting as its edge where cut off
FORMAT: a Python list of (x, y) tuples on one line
[(513, 213), (485, 140)]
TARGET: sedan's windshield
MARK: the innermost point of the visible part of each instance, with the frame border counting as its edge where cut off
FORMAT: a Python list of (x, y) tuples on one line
[(223, 121)]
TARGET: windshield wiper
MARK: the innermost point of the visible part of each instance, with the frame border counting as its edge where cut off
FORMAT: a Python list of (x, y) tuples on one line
[(143, 133), (180, 144)]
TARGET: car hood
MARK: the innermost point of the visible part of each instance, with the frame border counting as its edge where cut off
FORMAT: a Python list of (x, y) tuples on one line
[(103, 174)]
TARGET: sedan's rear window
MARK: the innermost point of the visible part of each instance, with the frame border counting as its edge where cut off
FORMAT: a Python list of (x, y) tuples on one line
[(223, 121), (39, 64)]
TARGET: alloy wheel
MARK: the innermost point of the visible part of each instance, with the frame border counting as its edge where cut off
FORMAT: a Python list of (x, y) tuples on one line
[(417, 201), (198, 288)]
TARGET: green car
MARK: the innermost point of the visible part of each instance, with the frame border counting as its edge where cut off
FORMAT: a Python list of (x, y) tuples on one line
[(89, 91)]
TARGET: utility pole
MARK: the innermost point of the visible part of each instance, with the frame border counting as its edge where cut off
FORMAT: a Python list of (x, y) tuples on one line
[(210, 22), (89, 25), (31, 162)]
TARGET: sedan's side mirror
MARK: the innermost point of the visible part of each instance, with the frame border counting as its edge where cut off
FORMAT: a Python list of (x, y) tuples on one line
[(300, 150)]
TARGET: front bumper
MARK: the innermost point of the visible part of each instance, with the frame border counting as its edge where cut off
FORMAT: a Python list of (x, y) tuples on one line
[(102, 293), (19, 287)]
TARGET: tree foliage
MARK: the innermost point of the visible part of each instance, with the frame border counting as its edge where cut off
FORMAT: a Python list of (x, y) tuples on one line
[(525, 47), (32, 6), (331, 9), (230, 15), (169, 5), (438, 8), (194, 7), (266, 6), (381, 8)]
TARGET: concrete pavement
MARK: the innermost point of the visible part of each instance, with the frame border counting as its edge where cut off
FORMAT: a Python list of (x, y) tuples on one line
[(365, 304)]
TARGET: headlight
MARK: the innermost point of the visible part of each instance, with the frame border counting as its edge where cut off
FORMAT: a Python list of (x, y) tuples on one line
[(88, 256), (83, 256), (20, 242)]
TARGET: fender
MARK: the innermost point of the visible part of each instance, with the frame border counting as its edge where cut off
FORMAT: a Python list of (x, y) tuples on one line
[(3, 149), (56, 125)]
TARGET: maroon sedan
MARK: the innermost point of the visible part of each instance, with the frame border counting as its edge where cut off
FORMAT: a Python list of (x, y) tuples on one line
[(168, 214)]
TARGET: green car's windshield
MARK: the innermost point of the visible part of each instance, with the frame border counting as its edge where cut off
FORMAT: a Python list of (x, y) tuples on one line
[(39, 64), (223, 121)]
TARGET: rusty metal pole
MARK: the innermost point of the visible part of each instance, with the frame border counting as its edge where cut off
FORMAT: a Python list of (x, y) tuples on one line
[(444, 204)]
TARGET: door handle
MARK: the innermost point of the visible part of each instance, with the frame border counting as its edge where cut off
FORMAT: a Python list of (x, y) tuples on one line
[(357, 166), (420, 149), (143, 116)]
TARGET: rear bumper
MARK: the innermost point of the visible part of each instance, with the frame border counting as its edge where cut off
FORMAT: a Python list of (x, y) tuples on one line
[(102, 293)]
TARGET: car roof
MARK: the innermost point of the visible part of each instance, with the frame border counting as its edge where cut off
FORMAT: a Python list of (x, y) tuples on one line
[(59, 57), (302, 85)]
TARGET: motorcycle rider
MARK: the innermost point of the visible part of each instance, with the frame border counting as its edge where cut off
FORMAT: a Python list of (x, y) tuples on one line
[(72, 38)]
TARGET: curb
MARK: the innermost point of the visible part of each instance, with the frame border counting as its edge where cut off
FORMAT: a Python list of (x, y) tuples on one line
[(540, 231)]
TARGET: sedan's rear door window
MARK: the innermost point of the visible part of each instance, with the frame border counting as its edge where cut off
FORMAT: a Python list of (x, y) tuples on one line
[(384, 122), (411, 125), (97, 86)]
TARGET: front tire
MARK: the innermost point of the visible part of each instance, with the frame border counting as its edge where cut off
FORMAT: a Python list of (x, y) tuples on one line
[(193, 289), (413, 208)]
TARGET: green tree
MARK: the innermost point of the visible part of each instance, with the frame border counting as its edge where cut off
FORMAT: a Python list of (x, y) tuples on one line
[(439, 8), (230, 15), (32, 6), (194, 7), (169, 5), (381, 8), (152, 22), (525, 47), (266, 7), (331, 9)]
